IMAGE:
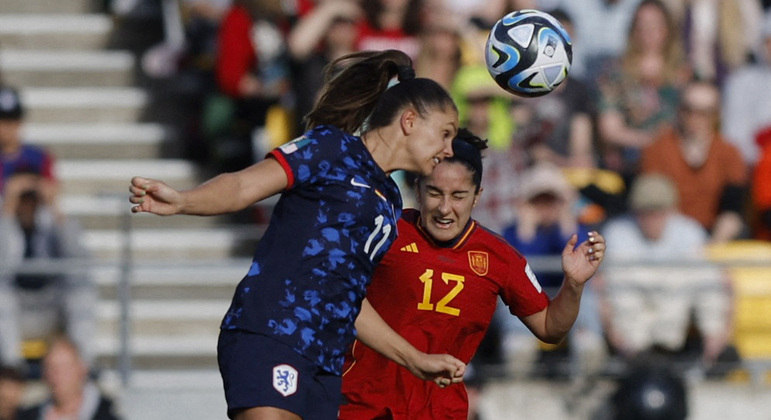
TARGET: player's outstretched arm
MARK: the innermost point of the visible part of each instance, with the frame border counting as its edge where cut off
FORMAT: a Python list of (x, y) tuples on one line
[(224, 193), (443, 369), (579, 263)]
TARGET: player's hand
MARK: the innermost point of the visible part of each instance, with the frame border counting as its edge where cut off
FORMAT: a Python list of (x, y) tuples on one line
[(580, 263), (153, 196), (442, 369)]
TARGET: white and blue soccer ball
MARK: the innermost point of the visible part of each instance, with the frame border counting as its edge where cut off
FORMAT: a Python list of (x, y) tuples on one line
[(528, 53)]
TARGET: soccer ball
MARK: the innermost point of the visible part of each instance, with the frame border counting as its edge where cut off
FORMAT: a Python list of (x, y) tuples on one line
[(528, 53)]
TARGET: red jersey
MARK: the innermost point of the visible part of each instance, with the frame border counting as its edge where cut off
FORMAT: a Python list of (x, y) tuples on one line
[(237, 55), (370, 38), (441, 298)]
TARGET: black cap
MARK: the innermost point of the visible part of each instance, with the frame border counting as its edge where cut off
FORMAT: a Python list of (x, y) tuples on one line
[(10, 104)]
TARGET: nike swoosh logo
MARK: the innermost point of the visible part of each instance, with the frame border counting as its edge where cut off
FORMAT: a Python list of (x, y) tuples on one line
[(358, 184)]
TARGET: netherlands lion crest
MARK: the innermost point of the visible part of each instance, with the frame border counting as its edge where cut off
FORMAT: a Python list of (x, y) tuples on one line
[(285, 379)]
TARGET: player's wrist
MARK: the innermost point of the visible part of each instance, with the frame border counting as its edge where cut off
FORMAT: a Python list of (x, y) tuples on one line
[(573, 284), (411, 358)]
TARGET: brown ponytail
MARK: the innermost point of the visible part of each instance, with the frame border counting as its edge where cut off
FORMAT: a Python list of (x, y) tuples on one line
[(357, 88)]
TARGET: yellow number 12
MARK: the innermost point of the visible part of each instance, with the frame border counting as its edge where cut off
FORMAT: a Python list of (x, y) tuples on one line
[(427, 279)]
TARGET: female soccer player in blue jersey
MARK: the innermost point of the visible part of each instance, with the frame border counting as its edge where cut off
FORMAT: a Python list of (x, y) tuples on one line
[(283, 341)]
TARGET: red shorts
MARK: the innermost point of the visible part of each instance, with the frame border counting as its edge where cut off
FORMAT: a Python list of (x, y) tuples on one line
[(374, 387)]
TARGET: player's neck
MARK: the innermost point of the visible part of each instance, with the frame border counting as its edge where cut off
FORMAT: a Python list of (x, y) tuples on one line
[(383, 151)]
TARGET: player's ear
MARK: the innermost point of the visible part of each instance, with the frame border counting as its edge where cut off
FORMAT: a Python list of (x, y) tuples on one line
[(477, 196), (408, 120)]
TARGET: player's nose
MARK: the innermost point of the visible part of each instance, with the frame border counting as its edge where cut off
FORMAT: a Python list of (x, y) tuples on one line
[(444, 205)]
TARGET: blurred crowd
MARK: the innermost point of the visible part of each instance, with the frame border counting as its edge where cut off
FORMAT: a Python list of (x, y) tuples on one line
[(660, 138), (665, 86)]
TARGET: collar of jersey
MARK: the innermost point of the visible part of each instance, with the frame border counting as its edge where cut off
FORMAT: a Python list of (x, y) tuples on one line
[(454, 243)]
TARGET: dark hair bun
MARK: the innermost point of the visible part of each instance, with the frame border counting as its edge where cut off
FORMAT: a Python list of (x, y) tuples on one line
[(405, 73)]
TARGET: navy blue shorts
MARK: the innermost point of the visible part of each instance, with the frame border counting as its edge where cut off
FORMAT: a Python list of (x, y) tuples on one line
[(258, 371)]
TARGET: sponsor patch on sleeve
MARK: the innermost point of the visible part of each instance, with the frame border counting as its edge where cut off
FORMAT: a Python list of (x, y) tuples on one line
[(294, 145)]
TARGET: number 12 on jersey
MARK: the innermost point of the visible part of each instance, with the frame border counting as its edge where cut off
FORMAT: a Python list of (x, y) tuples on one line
[(427, 278)]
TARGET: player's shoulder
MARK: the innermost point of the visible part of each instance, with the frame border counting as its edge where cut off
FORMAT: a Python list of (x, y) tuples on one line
[(329, 133), (494, 243), (325, 143), (410, 216), (407, 226)]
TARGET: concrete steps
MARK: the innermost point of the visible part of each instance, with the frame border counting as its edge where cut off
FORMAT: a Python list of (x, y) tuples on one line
[(111, 177), (170, 279), (54, 31), (100, 140), (88, 105), (47, 6), (176, 309), (111, 213), (83, 104), (165, 318), (157, 244), (70, 68)]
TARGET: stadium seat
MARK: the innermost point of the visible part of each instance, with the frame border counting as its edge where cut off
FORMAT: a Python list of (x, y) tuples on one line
[(748, 263)]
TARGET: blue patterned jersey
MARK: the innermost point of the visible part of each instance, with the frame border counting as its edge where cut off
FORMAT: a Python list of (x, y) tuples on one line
[(331, 226)]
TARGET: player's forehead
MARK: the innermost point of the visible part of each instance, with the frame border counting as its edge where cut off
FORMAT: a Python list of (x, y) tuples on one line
[(450, 176)]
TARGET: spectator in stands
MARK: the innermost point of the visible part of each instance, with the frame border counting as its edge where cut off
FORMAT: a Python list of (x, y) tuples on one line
[(545, 221), (201, 16), (201, 20), (252, 69), (718, 36), (440, 53), (391, 24), (483, 107), (11, 392), (461, 12), (73, 395), (746, 106), (599, 43), (709, 173), (559, 127), (324, 34), (639, 91), (34, 305), (15, 155), (658, 277), (761, 189)]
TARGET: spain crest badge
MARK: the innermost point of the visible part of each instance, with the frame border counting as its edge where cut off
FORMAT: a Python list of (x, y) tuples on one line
[(478, 262)]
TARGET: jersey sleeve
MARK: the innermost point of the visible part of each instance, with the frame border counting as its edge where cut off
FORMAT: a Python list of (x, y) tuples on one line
[(522, 292), (304, 158)]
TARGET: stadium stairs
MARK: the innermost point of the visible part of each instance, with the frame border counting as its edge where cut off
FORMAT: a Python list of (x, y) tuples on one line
[(76, 67)]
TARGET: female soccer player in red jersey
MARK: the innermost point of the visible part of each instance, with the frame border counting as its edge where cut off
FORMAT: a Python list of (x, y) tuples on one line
[(438, 287)]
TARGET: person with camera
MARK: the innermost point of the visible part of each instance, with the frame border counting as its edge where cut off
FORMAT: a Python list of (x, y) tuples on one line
[(35, 303)]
